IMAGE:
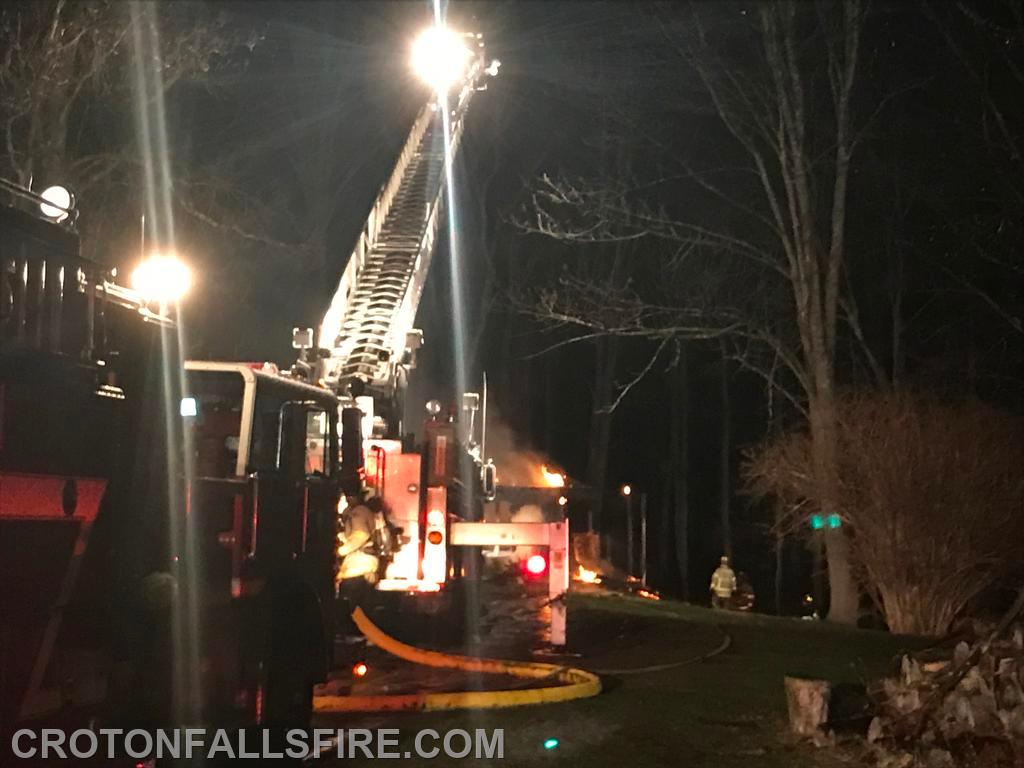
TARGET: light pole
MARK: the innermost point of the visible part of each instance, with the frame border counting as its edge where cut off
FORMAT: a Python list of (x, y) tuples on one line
[(643, 539), (627, 491)]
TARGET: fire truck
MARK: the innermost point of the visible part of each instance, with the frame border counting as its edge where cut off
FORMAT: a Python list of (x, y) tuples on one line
[(168, 531), (366, 345), (166, 536)]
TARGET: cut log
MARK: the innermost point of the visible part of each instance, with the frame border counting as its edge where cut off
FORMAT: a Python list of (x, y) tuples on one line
[(807, 701)]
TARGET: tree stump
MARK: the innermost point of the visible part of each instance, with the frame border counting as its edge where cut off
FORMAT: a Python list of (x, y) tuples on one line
[(807, 701)]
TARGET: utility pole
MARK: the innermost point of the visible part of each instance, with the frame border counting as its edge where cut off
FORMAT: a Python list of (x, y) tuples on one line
[(628, 493)]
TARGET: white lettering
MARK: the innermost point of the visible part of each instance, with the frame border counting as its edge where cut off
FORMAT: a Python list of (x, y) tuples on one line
[(241, 746), (16, 741), (267, 753), (90, 737), (297, 738), (146, 739), (359, 738), (172, 742), (193, 740), (294, 744), (322, 741), (221, 743), (466, 741), (53, 738), (384, 741), (419, 743), (110, 734), (492, 749)]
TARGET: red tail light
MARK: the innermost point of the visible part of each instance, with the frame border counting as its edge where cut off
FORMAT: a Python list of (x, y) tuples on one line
[(536, 565)]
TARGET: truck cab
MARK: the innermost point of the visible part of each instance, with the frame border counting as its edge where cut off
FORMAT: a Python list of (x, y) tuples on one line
[(256, 553)]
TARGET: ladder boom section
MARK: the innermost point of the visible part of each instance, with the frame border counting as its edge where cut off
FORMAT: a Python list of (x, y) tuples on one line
[(366, 327)]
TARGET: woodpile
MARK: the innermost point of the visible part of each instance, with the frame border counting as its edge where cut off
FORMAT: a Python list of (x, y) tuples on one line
[(964, 711)]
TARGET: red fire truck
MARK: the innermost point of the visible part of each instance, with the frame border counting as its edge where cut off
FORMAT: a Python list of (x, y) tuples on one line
[(166, 541)]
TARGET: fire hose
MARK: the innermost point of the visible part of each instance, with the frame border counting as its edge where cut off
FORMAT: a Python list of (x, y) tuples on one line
[(572, 683)]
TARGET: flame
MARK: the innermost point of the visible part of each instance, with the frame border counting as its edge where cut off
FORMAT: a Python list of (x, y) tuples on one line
[(587, 576), (552, 479), (648, 595)]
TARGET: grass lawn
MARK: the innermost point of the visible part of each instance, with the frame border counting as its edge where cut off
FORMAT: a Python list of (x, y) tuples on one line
[(725, 711)]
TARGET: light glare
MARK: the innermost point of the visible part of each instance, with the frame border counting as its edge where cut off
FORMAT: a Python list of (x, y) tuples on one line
[(162, 278), (439, 57)]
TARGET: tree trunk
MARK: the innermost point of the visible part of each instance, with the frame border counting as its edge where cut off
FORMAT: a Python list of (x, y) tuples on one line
[(679, 468), (779, 542), (605, 366), (725, 451), (550, 407), (607, 350), (898, 327), (665, 542), (843, 595)]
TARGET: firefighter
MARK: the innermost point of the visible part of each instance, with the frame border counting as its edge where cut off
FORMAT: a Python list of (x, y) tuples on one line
[(723, 584), (355, 542)]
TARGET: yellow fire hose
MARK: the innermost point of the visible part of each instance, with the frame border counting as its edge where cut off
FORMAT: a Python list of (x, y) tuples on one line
[(573, 683)]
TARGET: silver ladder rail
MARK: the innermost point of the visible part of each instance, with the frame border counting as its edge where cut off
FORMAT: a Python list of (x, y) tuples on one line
[(373, 309)]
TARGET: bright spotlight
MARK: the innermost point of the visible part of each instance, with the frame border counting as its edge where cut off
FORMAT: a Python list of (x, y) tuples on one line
[(62, 202), (162, 278), (439, 57), (626, 490)]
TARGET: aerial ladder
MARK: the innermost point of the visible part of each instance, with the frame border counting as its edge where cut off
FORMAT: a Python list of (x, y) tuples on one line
[(366, 346), (366, 342)]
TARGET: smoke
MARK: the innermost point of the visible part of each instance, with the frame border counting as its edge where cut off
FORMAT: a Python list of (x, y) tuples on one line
[(518, 465)]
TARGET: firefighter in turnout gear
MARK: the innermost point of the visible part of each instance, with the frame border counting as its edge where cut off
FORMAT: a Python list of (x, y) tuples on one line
[(723, 584), (355, 539)]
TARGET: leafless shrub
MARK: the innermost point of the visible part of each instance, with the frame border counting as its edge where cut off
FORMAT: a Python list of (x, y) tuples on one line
[(931, 491)]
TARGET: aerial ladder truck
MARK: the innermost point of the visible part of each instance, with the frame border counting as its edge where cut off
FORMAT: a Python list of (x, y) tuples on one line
[(366, 346), (427, 493)]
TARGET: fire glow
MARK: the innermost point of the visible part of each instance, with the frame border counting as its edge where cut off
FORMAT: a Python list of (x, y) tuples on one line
[(587, 576), (552, 479)]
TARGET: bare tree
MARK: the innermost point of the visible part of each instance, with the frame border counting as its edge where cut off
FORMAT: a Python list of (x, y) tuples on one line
[(725, 451), (678, 489), (931, 490), (63, 68), (790, 114)]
